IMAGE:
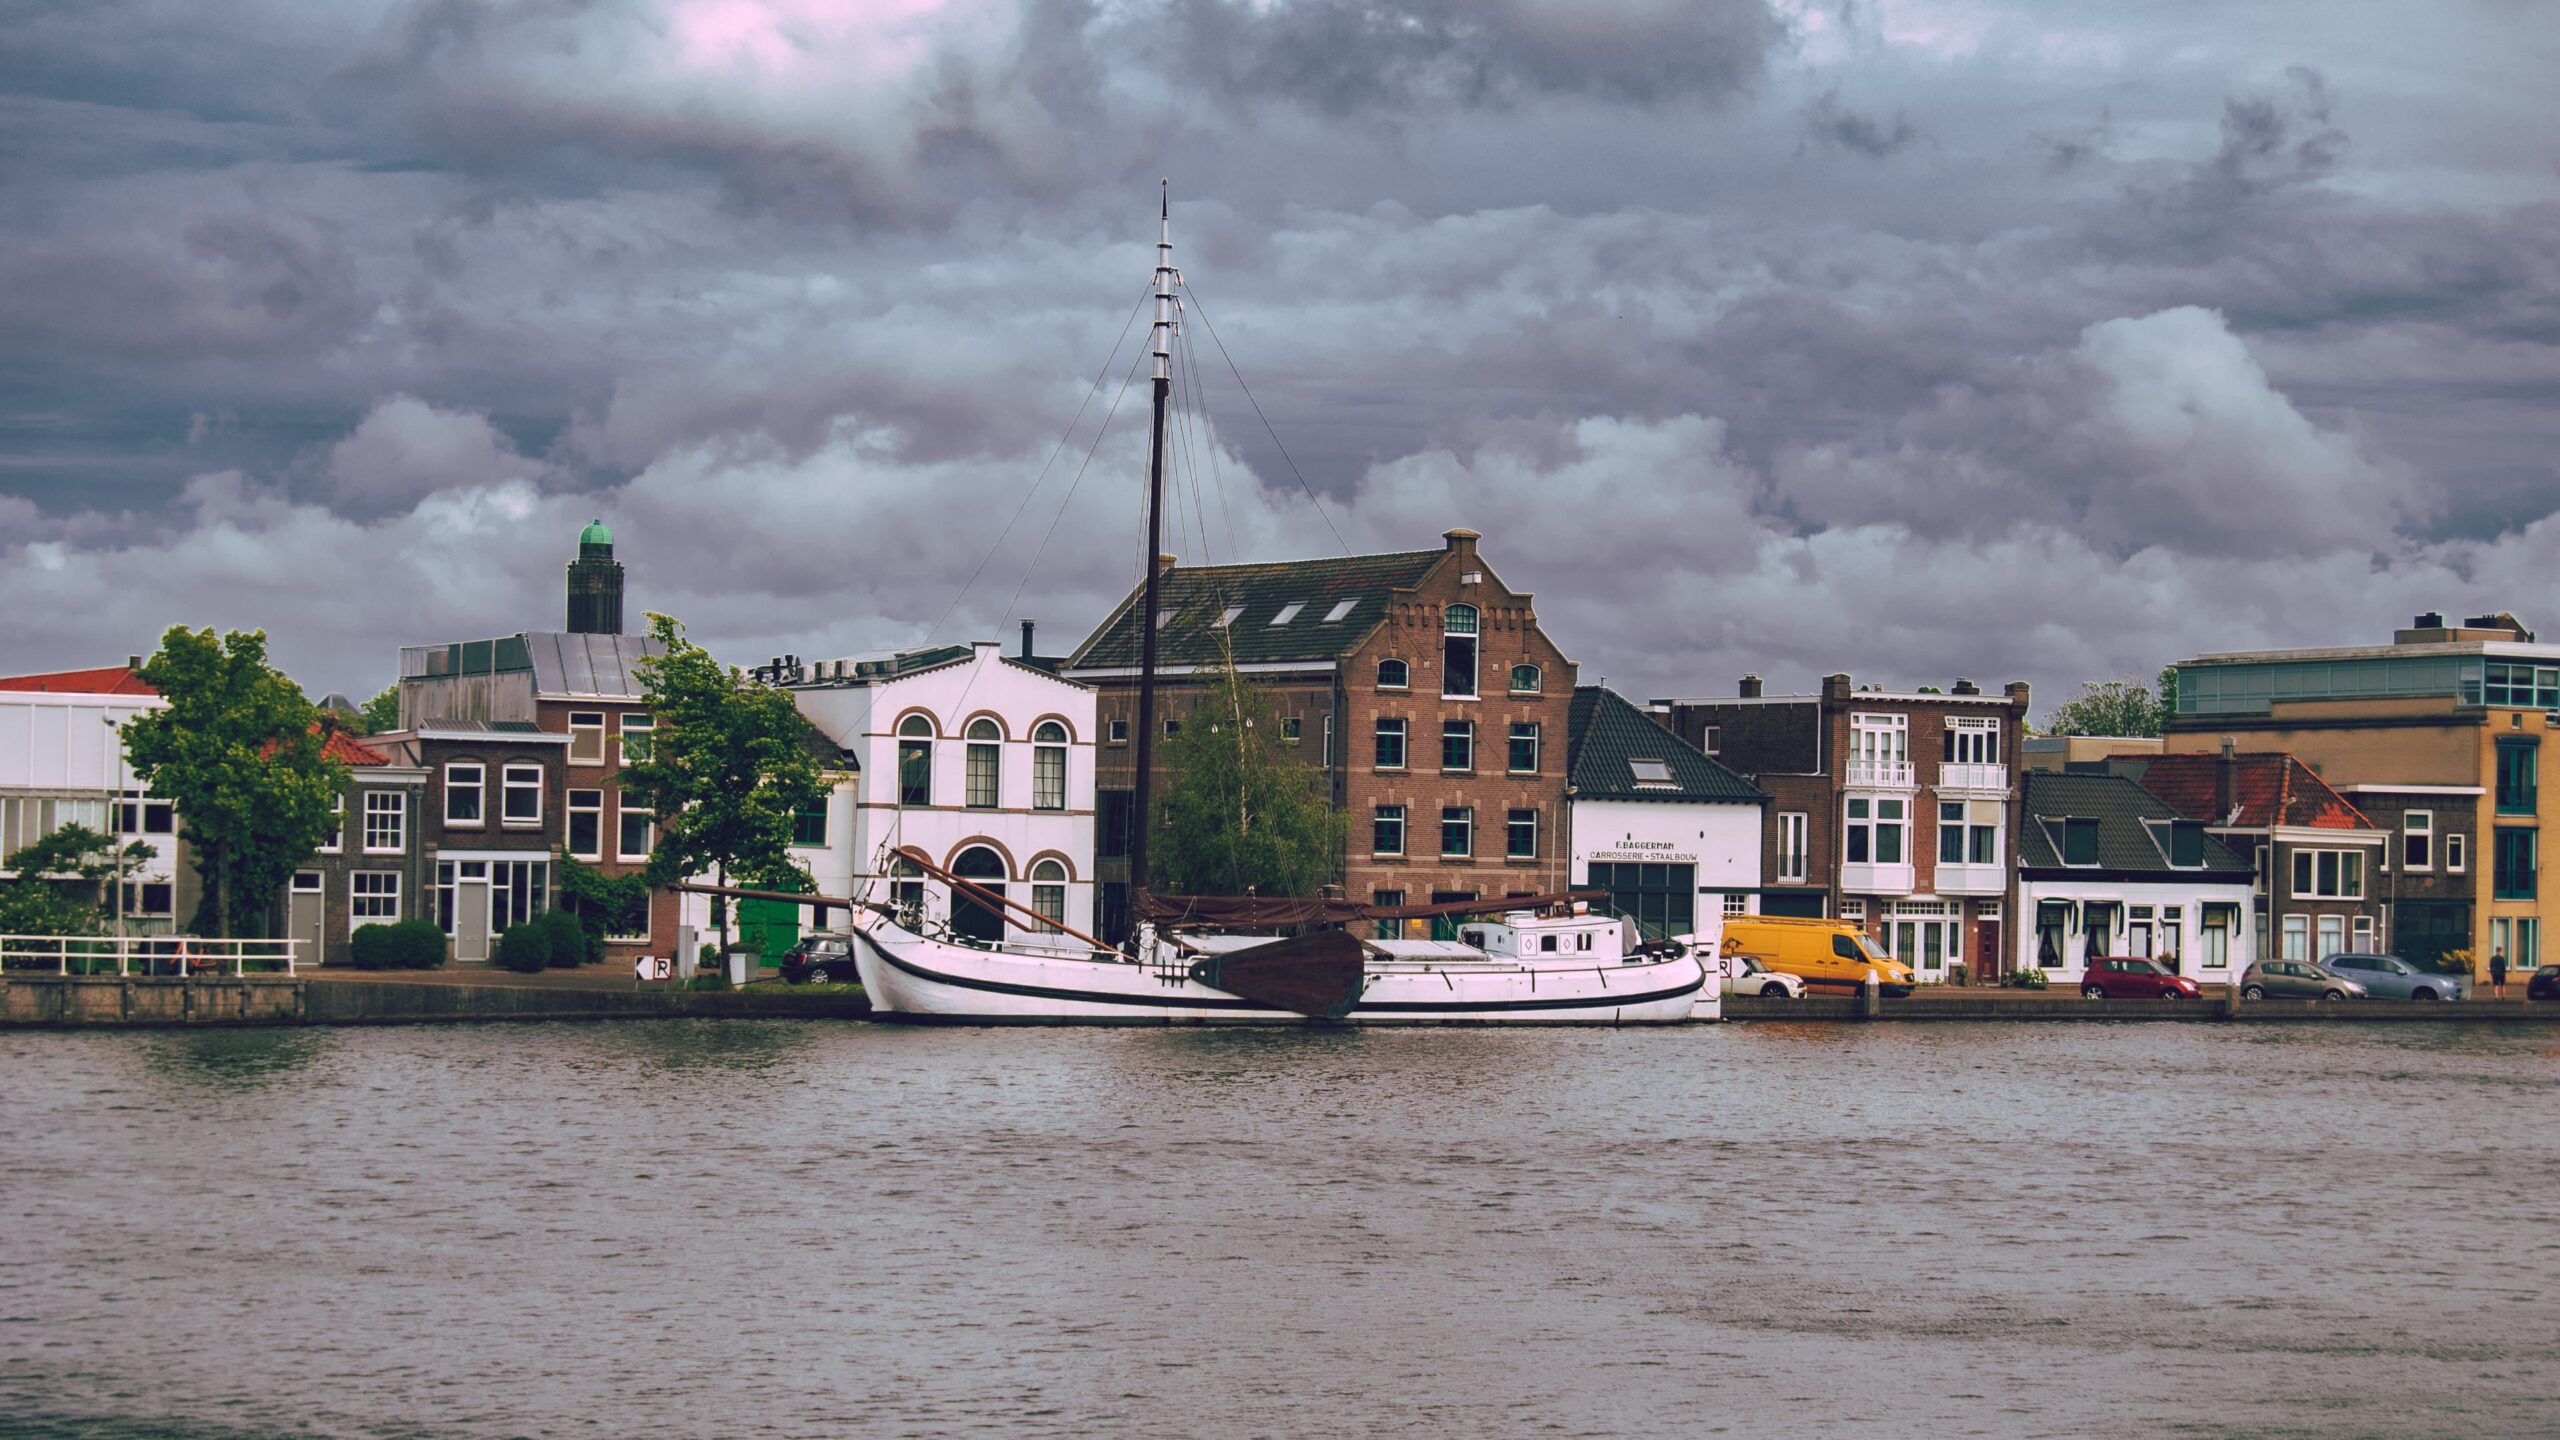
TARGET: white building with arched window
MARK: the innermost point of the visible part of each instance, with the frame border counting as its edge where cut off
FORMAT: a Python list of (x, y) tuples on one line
[(983, 761)]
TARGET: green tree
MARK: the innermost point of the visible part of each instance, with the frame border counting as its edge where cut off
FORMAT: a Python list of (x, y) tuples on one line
[(724, 771), (2113, 707), (1241, 813), (237, 749), (57, 886), (382, 712)]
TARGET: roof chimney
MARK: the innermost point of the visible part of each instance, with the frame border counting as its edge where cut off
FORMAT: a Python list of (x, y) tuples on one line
[(1026, 639), (1164, 563), (1462, 541), (1836, 687), (1750, 687), (2226, 781), (1967, 687), (2429, 620), (133, 662)]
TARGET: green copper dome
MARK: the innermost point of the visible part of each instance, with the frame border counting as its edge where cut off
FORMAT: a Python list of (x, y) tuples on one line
[(595, 533)]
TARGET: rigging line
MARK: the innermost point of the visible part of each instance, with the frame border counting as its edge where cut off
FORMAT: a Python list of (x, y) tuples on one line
[(1209, 445), (1190, 462), (1266, 420), (1043, 477)]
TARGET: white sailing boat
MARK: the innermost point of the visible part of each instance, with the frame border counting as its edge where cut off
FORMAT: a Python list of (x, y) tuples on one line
[(1543, 959)]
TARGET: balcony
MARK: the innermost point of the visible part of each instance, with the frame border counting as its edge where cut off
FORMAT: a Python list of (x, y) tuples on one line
[(1882, 774), (1972, 879), (1993, 778), (1857, 878)]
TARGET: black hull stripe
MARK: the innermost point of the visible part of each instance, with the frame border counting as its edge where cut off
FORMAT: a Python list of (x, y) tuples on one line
[(1392, 1007)]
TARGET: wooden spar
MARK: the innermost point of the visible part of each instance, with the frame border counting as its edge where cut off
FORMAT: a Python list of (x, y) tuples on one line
[(820, 903), (1142, 818), (991, 899)]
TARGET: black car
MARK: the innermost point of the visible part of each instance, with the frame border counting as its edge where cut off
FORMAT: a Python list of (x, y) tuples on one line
[(2545, 984), (824, 955)]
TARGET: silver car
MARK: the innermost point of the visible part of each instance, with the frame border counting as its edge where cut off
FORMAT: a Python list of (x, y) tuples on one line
[(2297, 980), (1750, 977), (2388, 977)]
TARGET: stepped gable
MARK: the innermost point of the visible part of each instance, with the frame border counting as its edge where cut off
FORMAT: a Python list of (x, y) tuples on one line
[(1360, 587), (1607, 733), (2268, 787)]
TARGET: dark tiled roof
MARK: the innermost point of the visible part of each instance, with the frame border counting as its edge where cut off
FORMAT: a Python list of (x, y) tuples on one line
[(1199, 596), (2270, 787), (2120, 807), (1609, 733)]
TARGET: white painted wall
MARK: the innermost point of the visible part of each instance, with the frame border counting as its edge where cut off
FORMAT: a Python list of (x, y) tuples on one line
[(1722, 840), (70, 746), (2190, 895), (865, 819)]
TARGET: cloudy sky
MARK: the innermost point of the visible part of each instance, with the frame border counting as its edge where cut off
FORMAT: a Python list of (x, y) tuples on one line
[(1914, 338)]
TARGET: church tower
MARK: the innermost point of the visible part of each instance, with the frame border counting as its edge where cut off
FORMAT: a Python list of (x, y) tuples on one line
[(595, 584)]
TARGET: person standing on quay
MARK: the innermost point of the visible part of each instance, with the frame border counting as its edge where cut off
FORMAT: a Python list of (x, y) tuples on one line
[(2498, 973)]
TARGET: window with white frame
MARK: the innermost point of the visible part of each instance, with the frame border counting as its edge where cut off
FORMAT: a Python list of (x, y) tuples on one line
[(639, 833), (1736, 903), (1524, 748), (1458, 745), (2364, 933), (2221, 922), (520, 797), (1458, 830), (1049, 894), (1854, 911), (1115, 732), (373, 898), (2328, 874), (1386, 830), (1527, 680), (386, 822), (2417, 840), (985, 748), (586, 737), (1879, 744), (1792, 826), (1391, 742), (1972, 741), (636, 730), (1875, 831), (139, 814), (1520, 835), (586, 824), (1458, 652), (1969, 832), (464, 784), (1049, 766), (1394, 675), (334, 839), (1711, 740), (2297, 937), (2457, 852)]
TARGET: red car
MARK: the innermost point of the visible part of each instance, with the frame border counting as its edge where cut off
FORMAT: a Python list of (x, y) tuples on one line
[(2131, 977)]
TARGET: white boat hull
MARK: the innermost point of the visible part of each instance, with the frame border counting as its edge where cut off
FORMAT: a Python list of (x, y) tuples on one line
[(915, 977)]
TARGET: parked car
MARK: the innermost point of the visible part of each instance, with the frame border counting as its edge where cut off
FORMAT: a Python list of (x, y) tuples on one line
[(821, 955), (2388, 977), (2297, 980), (1817, 952), (2545, 984), (2132, 977), (1750, 977)]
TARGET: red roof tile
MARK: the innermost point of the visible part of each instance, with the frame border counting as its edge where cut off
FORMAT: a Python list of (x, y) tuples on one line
[(347, 750), (109, 680), (2269, 787)]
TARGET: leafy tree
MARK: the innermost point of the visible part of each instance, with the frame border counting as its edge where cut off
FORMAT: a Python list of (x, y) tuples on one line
[(59, 877), (1242, 814), (382, 712), (724, 771), (237, 748), (2114, 707)]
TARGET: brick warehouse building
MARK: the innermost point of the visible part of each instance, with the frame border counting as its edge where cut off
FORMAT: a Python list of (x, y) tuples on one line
[(1418, 682), (1897, 811)]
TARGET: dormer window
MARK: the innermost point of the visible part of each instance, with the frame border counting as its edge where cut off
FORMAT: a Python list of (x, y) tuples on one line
[(1288, 612), (1458, 652), (1394, 675), (2079, 841), (1340, 609)]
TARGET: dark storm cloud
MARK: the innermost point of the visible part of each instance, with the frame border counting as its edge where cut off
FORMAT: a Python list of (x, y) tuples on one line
[(802, 295)]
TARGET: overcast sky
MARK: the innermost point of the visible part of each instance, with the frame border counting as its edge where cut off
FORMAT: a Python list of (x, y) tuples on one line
[(1912, 338)]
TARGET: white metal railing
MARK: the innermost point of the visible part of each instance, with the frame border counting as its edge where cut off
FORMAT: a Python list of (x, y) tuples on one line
[(1953, 776), (1892, 774), (162, 955)]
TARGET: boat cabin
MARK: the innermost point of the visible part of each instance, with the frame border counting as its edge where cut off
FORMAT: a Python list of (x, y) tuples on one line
[(1523, 935)]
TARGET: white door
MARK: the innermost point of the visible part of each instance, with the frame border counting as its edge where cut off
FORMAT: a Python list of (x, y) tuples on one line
[(471, 920)]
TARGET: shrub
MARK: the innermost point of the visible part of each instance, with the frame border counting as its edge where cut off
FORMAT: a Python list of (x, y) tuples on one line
[(708, 980), (525, 948), (571, 944), (406, 945), (2027, 980)]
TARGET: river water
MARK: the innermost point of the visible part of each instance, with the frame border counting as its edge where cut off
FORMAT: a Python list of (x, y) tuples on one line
[(770, 1229)]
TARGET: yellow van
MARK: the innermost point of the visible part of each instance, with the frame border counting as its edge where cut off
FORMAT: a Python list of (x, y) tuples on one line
[(1819, 952)]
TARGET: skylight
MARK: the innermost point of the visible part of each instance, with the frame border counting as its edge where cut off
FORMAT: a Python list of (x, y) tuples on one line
[(1229, 617), (1653, 773), (1340, 609), (1164, 618), (1288, 612)]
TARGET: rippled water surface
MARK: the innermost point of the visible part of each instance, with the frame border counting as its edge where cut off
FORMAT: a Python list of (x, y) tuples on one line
[(751, 1229)]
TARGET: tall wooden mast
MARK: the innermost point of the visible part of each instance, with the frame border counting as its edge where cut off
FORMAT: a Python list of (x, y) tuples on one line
[(1142, 820)]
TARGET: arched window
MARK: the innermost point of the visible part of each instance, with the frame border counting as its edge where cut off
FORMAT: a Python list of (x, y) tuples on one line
[(1049, 766), (915, 761), (1049, 893), (985, 752), (1458, 652), (1527, 680), (971, 918), (1394, 675)]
